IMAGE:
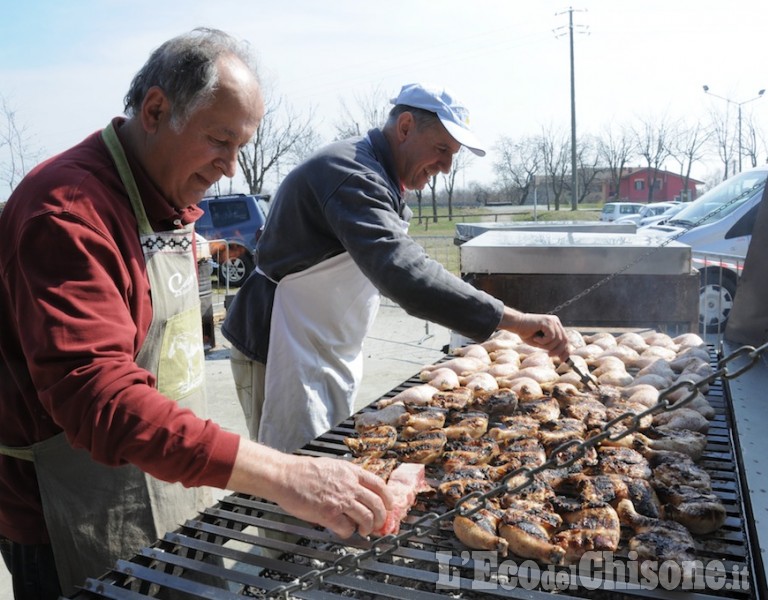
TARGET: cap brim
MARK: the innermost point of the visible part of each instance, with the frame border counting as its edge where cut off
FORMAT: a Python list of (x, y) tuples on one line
[(465, 137)]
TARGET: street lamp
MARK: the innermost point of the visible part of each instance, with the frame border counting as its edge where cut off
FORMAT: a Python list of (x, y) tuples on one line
[(738, 105)]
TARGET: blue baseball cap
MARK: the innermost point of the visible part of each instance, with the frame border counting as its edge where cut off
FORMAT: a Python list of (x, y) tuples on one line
[(452, 113)]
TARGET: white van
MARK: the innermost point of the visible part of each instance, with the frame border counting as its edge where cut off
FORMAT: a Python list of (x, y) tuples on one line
[(615, 210), (718, 223)]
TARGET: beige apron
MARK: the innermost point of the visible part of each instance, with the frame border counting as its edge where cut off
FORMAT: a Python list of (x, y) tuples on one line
[(96, 514), (320, 318)]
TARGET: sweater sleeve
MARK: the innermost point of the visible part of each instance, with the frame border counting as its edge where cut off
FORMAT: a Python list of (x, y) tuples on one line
[(79, 302), (361, 212)]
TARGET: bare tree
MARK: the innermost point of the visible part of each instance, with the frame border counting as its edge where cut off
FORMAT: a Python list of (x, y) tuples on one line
[(687, 148), (517, 166), (555, 149), (419, 197), (750, 142), (16, 153), (721, 137), (369, 111), (432, 185), (653, 137), (587, 159), (461, 160), (616, 147), (282, 139)]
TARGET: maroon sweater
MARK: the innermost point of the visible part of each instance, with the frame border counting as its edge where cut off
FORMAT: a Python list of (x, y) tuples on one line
[(75, 308)]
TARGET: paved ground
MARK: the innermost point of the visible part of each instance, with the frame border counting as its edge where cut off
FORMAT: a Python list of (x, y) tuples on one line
[(395, 350)]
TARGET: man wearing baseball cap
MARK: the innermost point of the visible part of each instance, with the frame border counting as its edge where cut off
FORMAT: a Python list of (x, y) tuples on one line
[(335, 239)]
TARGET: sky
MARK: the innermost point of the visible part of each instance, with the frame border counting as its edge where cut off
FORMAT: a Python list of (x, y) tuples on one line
[(65, 67)]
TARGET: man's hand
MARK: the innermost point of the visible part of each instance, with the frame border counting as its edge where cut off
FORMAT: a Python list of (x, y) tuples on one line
[(331, 492), (543, 331)]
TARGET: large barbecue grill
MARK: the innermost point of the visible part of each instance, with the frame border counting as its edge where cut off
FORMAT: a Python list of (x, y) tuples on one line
[(250, 548), (234, 542)]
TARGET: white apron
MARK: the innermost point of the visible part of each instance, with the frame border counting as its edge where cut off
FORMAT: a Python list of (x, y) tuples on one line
[(96, 514), (319, 320)]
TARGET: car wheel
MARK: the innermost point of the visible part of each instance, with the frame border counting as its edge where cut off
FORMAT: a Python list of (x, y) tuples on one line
[(235, 270), (716, 294)]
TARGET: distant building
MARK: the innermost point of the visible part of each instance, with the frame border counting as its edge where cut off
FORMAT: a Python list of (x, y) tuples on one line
[(666, 186)]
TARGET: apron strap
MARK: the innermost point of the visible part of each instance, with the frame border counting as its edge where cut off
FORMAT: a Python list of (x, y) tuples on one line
[(121, 162), (22, 452)]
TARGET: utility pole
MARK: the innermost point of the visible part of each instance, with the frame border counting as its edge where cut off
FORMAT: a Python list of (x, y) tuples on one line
[(574, 169)]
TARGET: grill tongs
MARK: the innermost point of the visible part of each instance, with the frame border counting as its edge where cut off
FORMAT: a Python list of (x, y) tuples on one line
[(586, 378)]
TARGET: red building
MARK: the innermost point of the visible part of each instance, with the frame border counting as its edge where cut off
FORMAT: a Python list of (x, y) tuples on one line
[(654, 185)]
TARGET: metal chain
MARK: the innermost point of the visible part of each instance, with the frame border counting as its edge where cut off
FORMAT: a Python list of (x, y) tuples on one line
[(642, 257), (471, 503)]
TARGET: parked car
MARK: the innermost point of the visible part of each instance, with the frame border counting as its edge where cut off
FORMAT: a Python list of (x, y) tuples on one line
[(662, 217), (718, 223), (648, 210), (615, 210), (232, 225)]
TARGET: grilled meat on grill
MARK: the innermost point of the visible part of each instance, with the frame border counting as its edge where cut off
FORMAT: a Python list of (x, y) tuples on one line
[(455, 399), (527, 526), (425, 447), (682, 418), (462, 481), (373, 442), (442, 378), (497, 403), (476, 382), (656, 539), (676, 468), (461, 365), (480, 530), (524, 388), (473, 350), (467, 425), (468, 452), (621, 461), (422, 418), (382, 467), (394, 415), (514, 428), (699, 510), (415, 395), (613, 488), (542, 409), (588, 527), (524, 452), (554, 433)]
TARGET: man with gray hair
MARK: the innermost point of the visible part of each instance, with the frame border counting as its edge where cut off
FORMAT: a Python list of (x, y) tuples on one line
[(104, 445), (335, 238)]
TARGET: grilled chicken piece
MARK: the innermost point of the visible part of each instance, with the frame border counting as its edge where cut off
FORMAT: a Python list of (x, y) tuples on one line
[(613, 488), (621, 461), (625, 353), (536, 489), (424, 448), (480, 382), (480, 531), (554, 433), (527, 527), (618, 377), (698, 403), (524, 452), (657, 381), (541, 375), (676, 468), (417, 395), (501, 340), (603, 339), (700, 511), (632, 408), (691, 443), (682, 418), (498, 403), (462, 481), (633, 340), (688, 340), (501, 357), (587, 527), (378, 466), (467, 425), (394, 415), (524, 388), (422, 418), (688, 356), (461, 365), (588, 352), (656, 539), (537, 359), (542, 409), (442, 378), (658, 367), (583, 406), (473, 350), (514, 428), (455, 399), (373, 442), (504, 370), (468, 452)]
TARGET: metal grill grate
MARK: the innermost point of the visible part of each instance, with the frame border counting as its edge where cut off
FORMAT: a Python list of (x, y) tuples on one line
[(254, 547)]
